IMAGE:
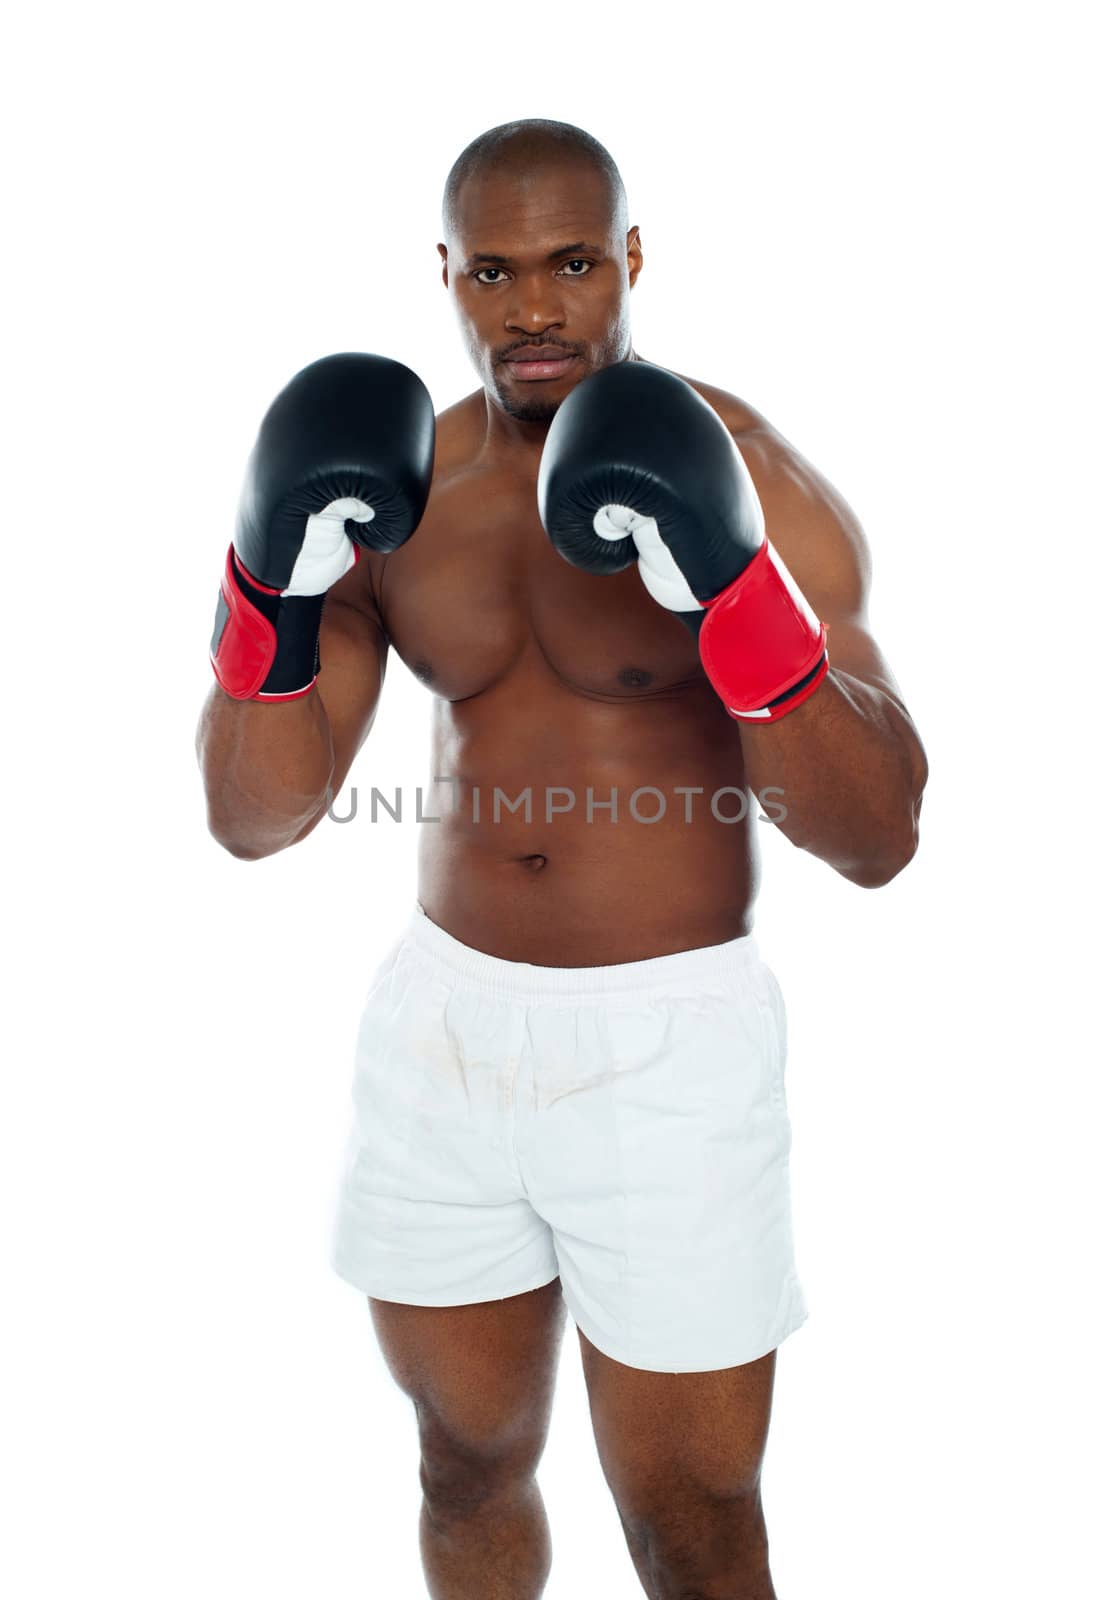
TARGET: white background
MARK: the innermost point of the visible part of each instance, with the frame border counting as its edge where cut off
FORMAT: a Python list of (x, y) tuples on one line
[(875, 226)]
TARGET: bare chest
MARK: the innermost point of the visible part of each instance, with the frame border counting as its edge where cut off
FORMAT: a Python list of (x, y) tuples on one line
[(479, 593)]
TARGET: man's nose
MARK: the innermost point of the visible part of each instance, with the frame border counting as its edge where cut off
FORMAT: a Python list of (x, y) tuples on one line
[(536, 304)]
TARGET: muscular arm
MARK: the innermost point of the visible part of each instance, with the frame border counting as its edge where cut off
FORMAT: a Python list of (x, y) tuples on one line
[(269, 770), (849, 761)]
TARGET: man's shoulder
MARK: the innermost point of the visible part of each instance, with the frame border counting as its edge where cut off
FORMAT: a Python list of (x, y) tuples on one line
[(789, 485), (767, 454), (736, 413)]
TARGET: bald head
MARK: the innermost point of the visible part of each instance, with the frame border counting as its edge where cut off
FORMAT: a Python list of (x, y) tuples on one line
[(526, 151)]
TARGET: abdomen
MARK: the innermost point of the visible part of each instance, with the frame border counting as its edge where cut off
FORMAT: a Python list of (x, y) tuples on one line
[(531, 862)]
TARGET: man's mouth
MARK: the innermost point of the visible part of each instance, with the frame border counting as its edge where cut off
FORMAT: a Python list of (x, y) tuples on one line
[(540, 363)]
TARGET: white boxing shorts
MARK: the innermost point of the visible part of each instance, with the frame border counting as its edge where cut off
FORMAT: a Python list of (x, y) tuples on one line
[(624, 1127)]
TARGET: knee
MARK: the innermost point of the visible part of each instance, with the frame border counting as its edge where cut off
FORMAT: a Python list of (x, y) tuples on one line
[(672, 1494), (700, 1542), (462, 1468)]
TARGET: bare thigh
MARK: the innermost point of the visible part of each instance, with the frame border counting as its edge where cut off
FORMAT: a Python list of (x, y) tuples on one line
[(673, 1442), (481, 1378)]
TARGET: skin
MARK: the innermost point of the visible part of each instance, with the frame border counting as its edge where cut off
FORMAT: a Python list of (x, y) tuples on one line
[(546, 676)]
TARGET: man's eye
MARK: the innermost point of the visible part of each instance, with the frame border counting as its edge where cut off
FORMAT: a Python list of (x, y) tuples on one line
[(575, 262)]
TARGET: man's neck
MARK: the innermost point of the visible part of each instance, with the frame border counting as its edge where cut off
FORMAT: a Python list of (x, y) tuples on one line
[(517, 439), (513, 438)]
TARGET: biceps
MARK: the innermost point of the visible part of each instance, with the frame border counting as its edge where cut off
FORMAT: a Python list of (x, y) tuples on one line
[(352, 658)]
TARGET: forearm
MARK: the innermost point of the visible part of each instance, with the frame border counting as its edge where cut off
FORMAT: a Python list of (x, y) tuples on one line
[(851, 771), (343, 462), (266, 770)]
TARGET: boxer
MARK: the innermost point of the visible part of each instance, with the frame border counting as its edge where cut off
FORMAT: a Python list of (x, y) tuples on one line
[(634, 604)]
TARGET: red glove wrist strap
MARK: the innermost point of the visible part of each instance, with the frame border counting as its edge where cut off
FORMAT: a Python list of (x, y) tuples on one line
[(265, 646), (761, 644)]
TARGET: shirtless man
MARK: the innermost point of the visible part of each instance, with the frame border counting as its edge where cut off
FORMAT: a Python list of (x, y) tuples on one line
[(569, 1084)]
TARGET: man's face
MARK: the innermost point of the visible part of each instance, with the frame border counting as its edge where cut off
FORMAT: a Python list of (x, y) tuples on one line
[(536, 264)]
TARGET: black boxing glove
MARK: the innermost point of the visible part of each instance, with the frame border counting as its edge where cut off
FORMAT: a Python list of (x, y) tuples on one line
[(343, 460), (636, 465)]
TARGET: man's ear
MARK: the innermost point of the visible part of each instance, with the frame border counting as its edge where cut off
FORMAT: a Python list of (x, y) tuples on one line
[(444, 254), (634, 254)]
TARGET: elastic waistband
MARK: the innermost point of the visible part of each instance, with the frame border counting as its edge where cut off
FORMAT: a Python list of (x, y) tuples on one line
[(521, 980)]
